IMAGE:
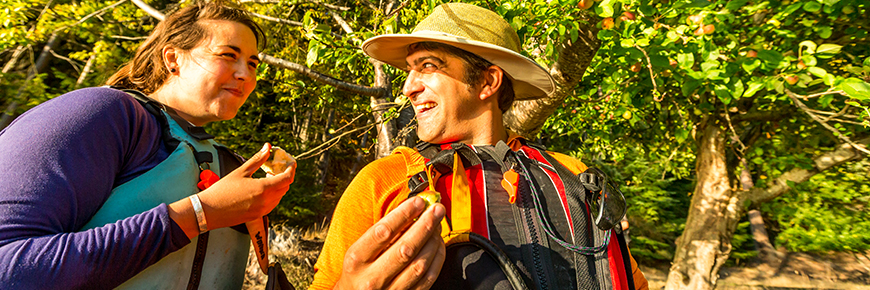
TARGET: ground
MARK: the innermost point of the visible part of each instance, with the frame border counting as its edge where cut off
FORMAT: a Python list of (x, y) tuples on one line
[(797, 271), (297, 252)]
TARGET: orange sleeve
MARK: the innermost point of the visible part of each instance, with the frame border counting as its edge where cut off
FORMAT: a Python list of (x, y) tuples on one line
[(358, 209), (640, 282)]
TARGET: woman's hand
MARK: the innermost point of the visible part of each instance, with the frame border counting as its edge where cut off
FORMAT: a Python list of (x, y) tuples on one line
[(236, 198)]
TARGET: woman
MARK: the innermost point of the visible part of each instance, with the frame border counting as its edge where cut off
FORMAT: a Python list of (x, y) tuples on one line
[(96, 190)]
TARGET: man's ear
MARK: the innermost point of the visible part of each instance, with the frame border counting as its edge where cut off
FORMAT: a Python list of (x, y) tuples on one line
[(492, 81), (170, 56)]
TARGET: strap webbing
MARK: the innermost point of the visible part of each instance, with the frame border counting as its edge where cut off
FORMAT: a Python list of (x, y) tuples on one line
[(198, 261)]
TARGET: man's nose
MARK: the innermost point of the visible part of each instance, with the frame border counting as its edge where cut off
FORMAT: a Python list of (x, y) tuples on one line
[(412, 85)]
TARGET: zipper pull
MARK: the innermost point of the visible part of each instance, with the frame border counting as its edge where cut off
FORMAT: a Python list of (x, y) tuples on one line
[(509, 182)]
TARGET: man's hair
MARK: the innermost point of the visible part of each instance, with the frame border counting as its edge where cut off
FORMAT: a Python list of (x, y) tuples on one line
[(474, 68), (184, 30)]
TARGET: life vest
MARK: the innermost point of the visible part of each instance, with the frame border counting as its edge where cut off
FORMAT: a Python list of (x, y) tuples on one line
[(213, 260), (540, 231)]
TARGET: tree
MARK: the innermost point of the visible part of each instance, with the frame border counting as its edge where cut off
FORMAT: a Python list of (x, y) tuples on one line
[(695, 88), (762, 81)]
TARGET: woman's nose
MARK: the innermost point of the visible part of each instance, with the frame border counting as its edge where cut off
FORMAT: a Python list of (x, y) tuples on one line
[(244, 72)]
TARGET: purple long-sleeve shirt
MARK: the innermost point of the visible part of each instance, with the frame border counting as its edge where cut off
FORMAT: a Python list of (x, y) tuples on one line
[(58, 163)]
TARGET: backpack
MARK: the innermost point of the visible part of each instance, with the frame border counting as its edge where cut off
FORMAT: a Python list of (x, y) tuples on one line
[(532, 246)]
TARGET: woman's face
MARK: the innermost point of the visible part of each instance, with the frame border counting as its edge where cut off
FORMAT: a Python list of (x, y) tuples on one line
[(215, 78)]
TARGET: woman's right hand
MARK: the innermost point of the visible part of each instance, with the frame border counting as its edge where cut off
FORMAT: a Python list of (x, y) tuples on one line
[(236, 198)]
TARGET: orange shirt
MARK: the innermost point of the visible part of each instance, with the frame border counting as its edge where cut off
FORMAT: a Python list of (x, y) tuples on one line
[(368, 196)]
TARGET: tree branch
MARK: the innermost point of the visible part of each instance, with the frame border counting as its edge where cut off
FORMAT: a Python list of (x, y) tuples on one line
[(341, 22), (320, 77), (656, 95), (844, 153), (315, 75), (275, 19), (150, 10), (762, 116), (95, 13), (836, 132)]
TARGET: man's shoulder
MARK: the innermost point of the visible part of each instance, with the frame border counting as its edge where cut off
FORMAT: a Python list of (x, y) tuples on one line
[(573, 164), (401, 164)]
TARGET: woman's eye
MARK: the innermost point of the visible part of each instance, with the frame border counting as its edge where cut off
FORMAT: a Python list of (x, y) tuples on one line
[(229, 54), (253, 64)]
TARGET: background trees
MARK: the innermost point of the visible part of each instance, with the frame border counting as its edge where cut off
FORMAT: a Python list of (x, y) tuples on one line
[(701, 109)]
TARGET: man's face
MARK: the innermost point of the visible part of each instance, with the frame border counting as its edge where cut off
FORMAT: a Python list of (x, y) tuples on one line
[(448, 109)]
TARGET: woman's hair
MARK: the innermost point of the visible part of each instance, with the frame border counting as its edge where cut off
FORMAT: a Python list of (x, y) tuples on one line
[(182, 29)]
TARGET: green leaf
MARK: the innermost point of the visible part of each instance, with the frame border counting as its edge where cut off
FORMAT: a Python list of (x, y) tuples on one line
[(735, 4), (723, 93), (812, 6), (824, 31), (689, 86), (750, 65), (811, 46), (605, 8), (856, 88), (686, 60), (829, 79), (809, 60), (659, 61), (829, 48), (313, 53), (626, 42), (643, 42), (754, 87), (681, 134), (692, 4), (737, 88), (561, 29), (867, 61), (771, 57), (817, 71)]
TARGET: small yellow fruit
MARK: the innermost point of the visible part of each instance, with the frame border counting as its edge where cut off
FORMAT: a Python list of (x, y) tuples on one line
[(430, 197)]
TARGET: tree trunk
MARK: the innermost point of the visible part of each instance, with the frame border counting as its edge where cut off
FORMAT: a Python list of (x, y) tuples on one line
[(715, 209), (13, 61), (41, 63), (387, 130), (324, 157), (527, 117), (767, 255)]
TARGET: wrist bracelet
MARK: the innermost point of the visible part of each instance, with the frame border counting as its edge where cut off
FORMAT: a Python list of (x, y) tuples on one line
[(200, 214)]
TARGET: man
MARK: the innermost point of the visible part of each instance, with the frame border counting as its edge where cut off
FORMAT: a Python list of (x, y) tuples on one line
[(499, 196)]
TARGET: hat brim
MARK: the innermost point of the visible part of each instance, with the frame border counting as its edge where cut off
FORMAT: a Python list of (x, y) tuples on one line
[(530, 80)]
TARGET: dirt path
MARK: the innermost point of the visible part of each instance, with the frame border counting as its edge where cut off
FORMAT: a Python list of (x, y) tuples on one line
[(797, 271)]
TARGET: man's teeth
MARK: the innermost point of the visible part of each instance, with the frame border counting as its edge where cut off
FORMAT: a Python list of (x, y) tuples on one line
[(425, 106)]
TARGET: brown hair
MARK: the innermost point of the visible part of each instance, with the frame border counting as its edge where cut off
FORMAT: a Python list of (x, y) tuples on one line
[(182, 29), (474, 68)]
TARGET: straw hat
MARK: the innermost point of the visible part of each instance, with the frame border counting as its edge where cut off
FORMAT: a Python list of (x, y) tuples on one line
[(476, 30)]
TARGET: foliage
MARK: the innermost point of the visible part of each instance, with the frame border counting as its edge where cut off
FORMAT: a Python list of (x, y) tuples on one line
[(827, 213), (657, 78)]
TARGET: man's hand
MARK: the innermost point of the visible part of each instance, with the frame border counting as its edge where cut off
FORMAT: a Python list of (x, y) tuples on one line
[(397, 252)]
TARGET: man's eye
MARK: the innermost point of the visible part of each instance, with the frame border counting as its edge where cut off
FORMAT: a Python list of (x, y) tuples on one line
[(429, 66)]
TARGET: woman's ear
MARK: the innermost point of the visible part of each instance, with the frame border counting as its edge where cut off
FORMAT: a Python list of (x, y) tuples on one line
[(170, 58), (492, 81)]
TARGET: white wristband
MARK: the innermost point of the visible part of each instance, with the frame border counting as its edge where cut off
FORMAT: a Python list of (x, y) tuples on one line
[(200, 215)]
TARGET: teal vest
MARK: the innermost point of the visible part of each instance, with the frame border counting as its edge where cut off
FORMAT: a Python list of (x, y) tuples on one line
[(174, 179)]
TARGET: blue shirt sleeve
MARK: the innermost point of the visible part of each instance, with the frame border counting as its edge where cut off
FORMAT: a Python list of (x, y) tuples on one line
[(58, 164)]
